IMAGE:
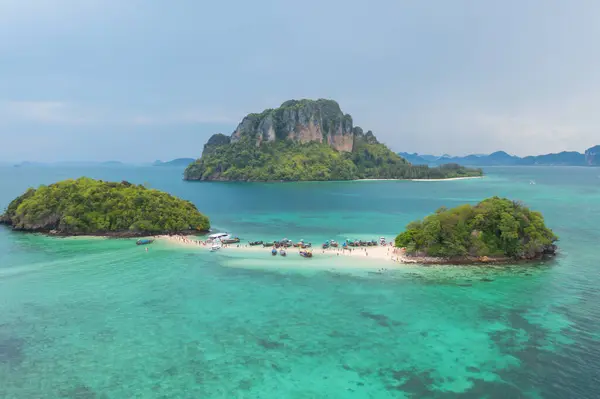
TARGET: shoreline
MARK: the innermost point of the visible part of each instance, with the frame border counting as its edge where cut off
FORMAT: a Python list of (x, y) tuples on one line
[(386, 253), (324, 181), (380, 253), (112, 235), (448, 179)]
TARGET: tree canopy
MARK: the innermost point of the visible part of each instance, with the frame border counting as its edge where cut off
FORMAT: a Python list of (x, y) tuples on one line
[(496, 227), (88, 206), (286, 160)]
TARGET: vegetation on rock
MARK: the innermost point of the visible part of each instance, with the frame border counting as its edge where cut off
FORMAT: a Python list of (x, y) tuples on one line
[(94, 207), (306, 140), (496, 227), (286, 160)]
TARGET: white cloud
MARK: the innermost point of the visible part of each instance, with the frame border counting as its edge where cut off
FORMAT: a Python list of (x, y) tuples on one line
[(197, 115), (65, 113), (44, 112)]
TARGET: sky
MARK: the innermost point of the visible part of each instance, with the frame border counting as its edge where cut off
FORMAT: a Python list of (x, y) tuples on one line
[(141, 80)]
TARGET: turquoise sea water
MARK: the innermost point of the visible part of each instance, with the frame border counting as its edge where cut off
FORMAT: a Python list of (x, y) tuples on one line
[(97, 318)]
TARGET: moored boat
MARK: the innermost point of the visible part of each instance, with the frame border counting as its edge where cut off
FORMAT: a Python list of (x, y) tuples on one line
[(274, 252), (230, 240), (268, 244), (353, 243), (217, 236), (282, 252), (144, 241), (306, 254), (333, 243), (325, 245), (253, 243), (286, 243)]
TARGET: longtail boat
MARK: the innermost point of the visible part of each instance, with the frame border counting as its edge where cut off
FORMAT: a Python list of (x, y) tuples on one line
[(306, 254), (231, 240)]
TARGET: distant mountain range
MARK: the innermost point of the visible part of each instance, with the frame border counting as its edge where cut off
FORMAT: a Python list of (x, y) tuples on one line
[(591, 157), (184, 162)]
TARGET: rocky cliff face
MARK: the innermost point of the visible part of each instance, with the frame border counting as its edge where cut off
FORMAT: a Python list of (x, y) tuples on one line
[(303, 121), (592, 156)]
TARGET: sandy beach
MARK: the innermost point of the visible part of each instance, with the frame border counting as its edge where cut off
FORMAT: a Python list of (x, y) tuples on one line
[(381, 253), (450, 179)]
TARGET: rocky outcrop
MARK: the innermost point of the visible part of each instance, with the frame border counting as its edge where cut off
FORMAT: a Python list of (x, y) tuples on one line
[(592, 156), (215, 141), (305, 140), (302, 121)]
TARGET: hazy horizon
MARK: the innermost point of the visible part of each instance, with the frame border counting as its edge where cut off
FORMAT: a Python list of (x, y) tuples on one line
[(136, 81), (150, 162)]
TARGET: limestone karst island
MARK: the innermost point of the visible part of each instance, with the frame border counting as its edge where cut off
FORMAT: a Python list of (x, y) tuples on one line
[(95, 207), (307, 140)]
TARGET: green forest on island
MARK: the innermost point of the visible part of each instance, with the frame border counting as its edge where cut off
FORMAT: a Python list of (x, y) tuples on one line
[(495, 227), (286, 160), (305, 140), (88, 206)]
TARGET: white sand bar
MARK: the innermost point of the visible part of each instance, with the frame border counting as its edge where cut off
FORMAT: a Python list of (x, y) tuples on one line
[(381, 253), (449, 179)]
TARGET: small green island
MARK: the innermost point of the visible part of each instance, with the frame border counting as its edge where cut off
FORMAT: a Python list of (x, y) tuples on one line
[(307, 140), (94, 207), (495, 230)]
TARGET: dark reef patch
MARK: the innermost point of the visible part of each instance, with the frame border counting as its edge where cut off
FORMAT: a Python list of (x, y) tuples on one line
[(11, 351)]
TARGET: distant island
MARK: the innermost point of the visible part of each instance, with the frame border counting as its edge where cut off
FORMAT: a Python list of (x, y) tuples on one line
[(306, 140), (94, 207), (179, 162), (495, 230), (591, 157)]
